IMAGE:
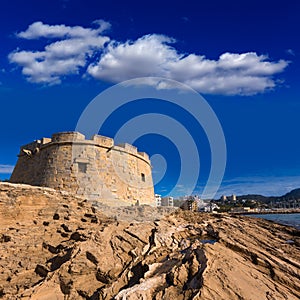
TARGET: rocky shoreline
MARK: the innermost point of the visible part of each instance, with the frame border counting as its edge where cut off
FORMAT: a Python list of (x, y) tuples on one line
[(56, 246)]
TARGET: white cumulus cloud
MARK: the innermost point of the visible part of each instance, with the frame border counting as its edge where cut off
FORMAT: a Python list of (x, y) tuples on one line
[(70, 51), (153, 55), (38, 29), (145, 57)]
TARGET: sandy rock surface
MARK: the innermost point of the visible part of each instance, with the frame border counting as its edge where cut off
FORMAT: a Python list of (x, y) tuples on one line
[(56, 246)]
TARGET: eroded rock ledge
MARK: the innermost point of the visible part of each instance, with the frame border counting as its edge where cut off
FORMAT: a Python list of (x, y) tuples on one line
[(56, 246)]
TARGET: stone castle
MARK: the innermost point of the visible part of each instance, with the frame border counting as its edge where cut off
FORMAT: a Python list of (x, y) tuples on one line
[(97, 169)]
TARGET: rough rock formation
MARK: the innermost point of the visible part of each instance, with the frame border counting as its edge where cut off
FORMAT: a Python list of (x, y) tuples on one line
[(57, 246)]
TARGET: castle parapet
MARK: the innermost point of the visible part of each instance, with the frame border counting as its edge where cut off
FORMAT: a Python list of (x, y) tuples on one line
[(31, 146), (103, 141), (129, 148), (144, 155), (77, 137), (68, 136), (45, 141)]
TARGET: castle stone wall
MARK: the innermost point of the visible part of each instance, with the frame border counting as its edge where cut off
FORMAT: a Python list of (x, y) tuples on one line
[(97, 169)]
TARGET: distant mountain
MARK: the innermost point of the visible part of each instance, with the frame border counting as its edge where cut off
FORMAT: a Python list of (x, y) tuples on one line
[(260, 198), (251, 197), (292, 194)]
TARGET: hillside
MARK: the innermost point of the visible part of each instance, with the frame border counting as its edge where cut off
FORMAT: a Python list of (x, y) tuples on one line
[(56, 246), (292, 194)]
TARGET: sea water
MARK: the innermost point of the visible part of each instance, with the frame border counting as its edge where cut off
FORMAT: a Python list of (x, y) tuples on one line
[(285, 219)]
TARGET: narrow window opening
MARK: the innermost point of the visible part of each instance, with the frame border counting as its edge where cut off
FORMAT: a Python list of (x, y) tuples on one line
[(82, 167), (143, 177)]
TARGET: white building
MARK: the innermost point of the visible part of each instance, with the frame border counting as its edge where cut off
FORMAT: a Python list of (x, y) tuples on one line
[(224, 198), (157, 199), (210, 207), (167, 201)]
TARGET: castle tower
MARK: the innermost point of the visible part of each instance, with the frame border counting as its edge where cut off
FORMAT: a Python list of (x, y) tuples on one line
[(97, 169)]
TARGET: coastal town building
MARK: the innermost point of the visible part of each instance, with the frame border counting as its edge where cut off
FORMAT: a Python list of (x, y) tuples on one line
[(244, 209), (195, 203), (167, 201), (157, 199), (223, 198), (209, 207), (190, 204), (231, 198)]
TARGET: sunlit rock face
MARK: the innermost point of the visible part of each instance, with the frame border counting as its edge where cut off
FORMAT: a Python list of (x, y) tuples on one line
[(54, 245)]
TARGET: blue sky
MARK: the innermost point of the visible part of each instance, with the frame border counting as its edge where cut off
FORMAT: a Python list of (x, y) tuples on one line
[(56, 56)]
